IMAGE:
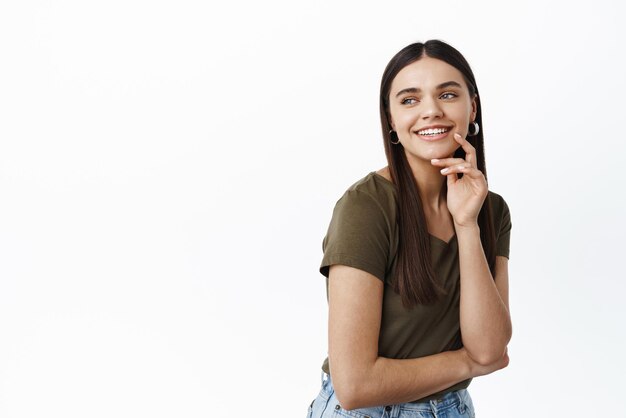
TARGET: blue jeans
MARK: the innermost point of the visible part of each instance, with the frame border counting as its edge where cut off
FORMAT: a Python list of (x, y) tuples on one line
[(457, 404)]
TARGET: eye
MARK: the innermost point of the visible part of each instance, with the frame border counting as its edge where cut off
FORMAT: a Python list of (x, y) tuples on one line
[(409, 101), (453, 94)]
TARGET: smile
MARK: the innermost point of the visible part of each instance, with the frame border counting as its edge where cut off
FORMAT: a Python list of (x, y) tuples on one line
[(433, 134), (434, 131)]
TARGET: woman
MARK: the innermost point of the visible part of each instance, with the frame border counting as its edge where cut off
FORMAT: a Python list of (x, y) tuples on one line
[(416, 254)]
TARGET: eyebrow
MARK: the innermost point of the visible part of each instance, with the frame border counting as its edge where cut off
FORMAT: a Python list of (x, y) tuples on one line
[(440, 86)]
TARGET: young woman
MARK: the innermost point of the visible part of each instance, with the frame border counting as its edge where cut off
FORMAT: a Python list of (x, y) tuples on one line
[(416, 254)]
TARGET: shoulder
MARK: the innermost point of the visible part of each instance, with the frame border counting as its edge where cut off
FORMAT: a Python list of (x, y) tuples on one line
[(500, 210), (373, 193), (498, 203), (362, 228)]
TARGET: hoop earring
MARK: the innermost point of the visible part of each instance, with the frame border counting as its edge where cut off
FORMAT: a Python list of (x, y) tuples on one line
[(476, 129), (390, 134)]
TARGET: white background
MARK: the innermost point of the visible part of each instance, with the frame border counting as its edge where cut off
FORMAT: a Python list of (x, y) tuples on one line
[(168, 171)]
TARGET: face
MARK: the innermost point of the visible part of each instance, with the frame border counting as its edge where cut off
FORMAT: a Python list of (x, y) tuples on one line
[(430, 92)]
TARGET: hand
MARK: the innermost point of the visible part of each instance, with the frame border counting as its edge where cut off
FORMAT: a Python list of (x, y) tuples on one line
[(465, 196), (477, 369)]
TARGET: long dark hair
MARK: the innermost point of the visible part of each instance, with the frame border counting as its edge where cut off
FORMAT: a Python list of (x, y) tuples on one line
[(414, 276)]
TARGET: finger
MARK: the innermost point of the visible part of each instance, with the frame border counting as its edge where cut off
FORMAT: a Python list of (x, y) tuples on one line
[(471, 172), (458, 168), (451, 178), (470, 151), (447, 161)]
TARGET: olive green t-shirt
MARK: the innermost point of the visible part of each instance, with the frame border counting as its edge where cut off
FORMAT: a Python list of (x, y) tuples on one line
[(363, 233)]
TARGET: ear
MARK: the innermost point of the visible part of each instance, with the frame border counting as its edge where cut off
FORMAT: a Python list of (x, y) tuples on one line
[(474, 108)]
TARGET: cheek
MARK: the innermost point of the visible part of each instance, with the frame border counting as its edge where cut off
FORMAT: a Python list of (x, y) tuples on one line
[(462, 116), (404, 120)]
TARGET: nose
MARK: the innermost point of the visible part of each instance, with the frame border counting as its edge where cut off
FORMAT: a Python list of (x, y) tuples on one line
[(431, 109)]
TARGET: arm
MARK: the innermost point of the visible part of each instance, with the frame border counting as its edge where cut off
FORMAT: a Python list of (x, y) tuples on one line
[(360, 377), (485, 321)]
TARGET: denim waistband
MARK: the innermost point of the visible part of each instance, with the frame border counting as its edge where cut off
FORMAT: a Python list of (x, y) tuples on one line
[(441, 403)]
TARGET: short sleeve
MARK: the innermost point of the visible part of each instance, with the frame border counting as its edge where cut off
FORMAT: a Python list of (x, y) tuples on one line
[(358, 235), (504, 234)]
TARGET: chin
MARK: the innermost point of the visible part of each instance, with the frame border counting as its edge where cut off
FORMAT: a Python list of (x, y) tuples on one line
[(441, 154)]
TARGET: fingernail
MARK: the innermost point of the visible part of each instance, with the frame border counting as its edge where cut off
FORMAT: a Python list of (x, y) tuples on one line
[(434, 160), (445, 170)]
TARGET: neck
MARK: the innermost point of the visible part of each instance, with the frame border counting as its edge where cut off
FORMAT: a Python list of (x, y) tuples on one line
[(429, 183)]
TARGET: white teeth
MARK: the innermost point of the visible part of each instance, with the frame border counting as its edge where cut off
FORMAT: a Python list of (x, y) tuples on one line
[(432, 131)]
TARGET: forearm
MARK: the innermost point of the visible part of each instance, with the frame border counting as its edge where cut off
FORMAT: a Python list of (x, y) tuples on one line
[(485, 321), (393, 381)]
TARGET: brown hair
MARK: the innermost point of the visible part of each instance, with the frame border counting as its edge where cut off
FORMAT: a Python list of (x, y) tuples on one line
[(415, 278)]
